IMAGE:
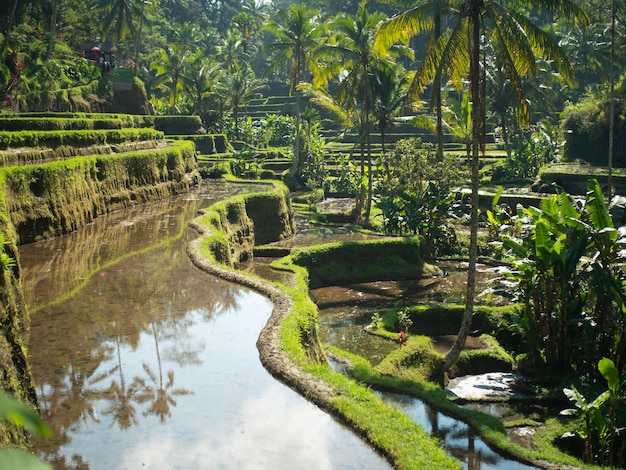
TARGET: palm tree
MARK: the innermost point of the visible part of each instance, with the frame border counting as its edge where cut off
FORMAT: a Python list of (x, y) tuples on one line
[(296, 37), (238, 86), (353, 59), (119, 16), (138, 39), (389, 86), (202, 80), (424, 16), (233, 48), (170, 69), (459, 54), (53, 24), (458, 120)]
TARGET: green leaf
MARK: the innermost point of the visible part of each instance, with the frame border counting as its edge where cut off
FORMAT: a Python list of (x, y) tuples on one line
[(519, 249), (18, 413), (608, 370), (18, 458), (597, 209), (600, 400), (576, 397)]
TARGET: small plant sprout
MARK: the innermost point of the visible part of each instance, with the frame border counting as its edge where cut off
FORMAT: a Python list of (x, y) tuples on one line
[(402, 338), (404, 320), (375, 321)]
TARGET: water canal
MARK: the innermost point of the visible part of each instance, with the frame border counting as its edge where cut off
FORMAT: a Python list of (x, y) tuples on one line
[(143, 361)]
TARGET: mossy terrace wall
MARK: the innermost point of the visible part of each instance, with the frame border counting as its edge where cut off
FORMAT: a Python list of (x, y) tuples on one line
[(239, 223), (59, 197), (372, 260), (46, 190)]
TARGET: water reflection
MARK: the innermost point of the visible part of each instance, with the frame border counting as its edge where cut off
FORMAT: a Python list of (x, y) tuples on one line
[(457, 437), (143, 361)]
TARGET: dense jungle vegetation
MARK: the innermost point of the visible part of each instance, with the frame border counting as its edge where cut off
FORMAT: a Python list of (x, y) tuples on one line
[(505, 88)]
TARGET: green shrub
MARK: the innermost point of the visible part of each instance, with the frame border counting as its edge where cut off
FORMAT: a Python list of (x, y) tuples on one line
[(585, 129)]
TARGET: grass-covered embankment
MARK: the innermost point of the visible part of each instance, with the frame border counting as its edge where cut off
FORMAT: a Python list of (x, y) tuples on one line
[(490, 428), (354, 262), (289, 348), (77, 138), (60, 196)]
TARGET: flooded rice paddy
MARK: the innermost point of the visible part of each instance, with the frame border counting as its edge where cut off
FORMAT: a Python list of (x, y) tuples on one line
[(143, 361)]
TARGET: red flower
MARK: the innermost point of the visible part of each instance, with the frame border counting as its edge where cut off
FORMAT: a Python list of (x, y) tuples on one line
[(402, 338)]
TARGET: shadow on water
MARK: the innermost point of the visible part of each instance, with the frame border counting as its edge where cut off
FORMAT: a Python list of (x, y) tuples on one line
[(143, 361)]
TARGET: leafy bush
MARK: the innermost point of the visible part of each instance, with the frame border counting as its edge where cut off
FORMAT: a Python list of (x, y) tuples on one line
[(534, 147), (415, 196), (585, 128)]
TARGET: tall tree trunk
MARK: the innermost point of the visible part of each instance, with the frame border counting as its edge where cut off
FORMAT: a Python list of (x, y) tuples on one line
[(368, 205), (437, 92), (295, 164), (138, 42), (505, 135), (478, 131), (53, 28), (611, 103)]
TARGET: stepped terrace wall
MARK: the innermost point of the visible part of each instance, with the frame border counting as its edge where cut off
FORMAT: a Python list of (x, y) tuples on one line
[(23, 147), (58, 197), (236, 225), (47, 199), (371, 260)]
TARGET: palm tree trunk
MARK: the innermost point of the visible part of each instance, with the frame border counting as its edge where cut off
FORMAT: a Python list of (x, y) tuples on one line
[(9, 26), (437, 92), (368, 205), (295, 164), (611, 103), (477, 137), (138, 42), (53, 27), (505, 135)]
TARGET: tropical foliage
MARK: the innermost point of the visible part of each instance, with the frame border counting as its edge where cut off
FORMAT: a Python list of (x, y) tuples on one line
[(570, 282), (487, 68)]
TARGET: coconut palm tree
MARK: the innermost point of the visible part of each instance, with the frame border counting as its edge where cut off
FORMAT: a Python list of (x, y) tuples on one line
[(238, 87), (296, 35), (460, 54), (170, 70), (352, 59), (423, 16), (120, 16), (389, 87)]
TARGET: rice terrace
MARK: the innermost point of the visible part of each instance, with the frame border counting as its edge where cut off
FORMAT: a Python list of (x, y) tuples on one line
[(321, 235)]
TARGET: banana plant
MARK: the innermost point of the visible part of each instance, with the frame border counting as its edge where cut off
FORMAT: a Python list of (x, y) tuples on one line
[(567, 267), (598, 424)]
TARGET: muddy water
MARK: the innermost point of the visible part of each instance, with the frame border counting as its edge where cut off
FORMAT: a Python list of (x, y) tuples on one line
[(346, 310), (143, 361)]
